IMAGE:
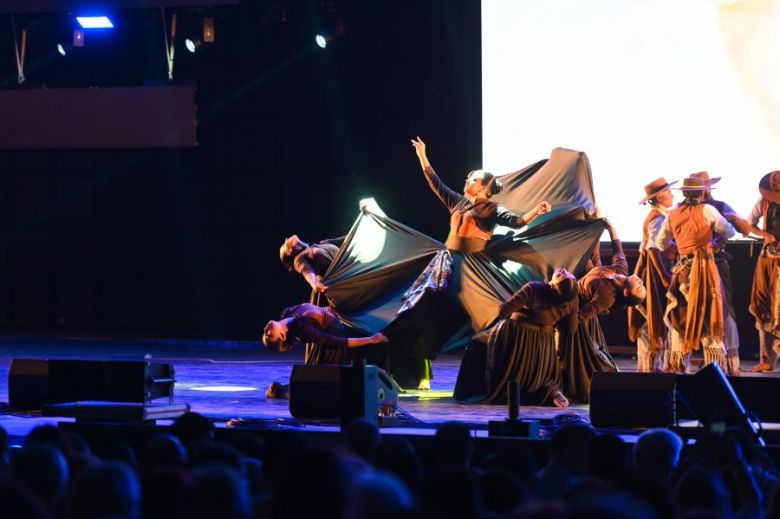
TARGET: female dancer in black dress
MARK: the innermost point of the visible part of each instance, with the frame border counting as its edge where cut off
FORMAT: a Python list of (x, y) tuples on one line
[(521, 346)]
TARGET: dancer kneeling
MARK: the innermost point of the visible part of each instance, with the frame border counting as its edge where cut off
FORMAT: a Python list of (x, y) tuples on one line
[(321, 327), (521, 346)]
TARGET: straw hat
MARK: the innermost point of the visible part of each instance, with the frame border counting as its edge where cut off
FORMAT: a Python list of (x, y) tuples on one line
[(769, 186), (655, 187)]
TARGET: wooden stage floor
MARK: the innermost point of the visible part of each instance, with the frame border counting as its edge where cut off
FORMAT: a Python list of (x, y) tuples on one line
[(227, 381)]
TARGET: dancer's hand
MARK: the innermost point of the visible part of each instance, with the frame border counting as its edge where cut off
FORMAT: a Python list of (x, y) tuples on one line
[(377, 338), (543, 207), (769, 238), (419, 147)]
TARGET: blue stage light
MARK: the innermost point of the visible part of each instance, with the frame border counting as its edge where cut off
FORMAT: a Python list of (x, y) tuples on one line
[(95, 22)]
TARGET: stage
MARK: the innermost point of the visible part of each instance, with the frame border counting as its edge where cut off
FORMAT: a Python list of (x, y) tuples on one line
[(226, 381)]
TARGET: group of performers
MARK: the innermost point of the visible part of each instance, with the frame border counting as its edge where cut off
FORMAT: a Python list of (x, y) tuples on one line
[(547, 335)]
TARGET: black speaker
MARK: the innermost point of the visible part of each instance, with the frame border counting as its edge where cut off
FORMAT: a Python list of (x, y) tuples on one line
[(632, 399), (34, 383), (340, 392)]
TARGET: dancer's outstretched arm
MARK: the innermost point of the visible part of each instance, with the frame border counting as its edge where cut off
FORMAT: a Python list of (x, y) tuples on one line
[(445, 194)]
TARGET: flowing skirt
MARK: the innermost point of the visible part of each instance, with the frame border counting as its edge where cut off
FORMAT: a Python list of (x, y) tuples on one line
[(582, 354), (515, 351)]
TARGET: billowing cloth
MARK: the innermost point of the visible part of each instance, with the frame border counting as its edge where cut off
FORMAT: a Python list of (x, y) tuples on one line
[(381, 258)]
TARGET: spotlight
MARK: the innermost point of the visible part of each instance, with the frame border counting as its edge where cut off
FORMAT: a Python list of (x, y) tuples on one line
[(208, 29), (322, 41), (61, 49), (95, 22), (78, 37), (191, 46)]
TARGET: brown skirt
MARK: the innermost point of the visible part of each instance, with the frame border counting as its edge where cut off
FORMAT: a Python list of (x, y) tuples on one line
[(515, 351), (582, 354)]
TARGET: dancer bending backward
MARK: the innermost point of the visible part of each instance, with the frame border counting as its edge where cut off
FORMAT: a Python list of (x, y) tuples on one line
[(310, 261), (521, 346), (601, 289), (695, 309), (307, 323), (646, 323), (765, 296), (473, 215)]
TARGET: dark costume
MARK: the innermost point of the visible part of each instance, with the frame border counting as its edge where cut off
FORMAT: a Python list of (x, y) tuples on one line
[(585, 351), (316, 259), (765, 295), (322, 332), (646, 323), (520, 347)]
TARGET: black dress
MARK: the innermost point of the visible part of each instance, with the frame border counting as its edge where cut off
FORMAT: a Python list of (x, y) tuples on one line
[(325, 336), (520, 348)]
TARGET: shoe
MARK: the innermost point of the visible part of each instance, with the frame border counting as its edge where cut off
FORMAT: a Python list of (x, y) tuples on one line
[(762, 367), (424, 385), (278, 391)]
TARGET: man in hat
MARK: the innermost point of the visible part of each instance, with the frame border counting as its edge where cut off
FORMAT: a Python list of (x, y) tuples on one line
[(695, 308), (646, 323), (765, 296), (722, 259)]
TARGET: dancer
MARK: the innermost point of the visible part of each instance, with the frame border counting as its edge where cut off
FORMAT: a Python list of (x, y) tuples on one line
[(310, 261), (473, 215), (646, 323), (323, 334), (695, 308), (521, 346), (765, 295), (307, 323), (721, 257), (601, 289)]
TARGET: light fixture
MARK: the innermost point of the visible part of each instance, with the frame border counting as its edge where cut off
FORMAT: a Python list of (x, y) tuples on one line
[(208, 29), (191, 45), (321, 40), (78, 37), (61, 49), (95, 22)]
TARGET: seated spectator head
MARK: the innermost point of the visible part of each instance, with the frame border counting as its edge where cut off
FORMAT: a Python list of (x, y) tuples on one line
[(657, 451), (163, 451), (50, 435), (161, 489), (450, 491), (44, 470), (109, 489), (606, 457), (699, 491), (569, 445), (380, 495), (502, 492), (191, 428), (362, 438), (211, 453), (397, 456), (453, 445), (18, 502), (217, 491), (3, 447)]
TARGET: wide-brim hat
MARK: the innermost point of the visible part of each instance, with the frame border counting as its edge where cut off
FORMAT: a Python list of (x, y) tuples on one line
[(706, 177), (656, 187), (694, 184), (769, 186)]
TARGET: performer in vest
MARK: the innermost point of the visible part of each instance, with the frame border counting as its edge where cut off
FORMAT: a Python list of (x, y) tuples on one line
[(765, 296), (731, 339), (646, 323), (601, 289), (695, 308), (473, 215)]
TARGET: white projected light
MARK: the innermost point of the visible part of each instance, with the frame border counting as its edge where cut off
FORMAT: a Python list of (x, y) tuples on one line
[(647, 88), (95, 22)]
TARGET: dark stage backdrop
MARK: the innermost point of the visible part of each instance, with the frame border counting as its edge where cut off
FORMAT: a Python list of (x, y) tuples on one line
[(185, 241)]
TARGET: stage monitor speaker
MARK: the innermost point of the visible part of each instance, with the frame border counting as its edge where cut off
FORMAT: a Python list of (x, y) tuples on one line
[(632, 399), (34, 383), (341, 392)]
